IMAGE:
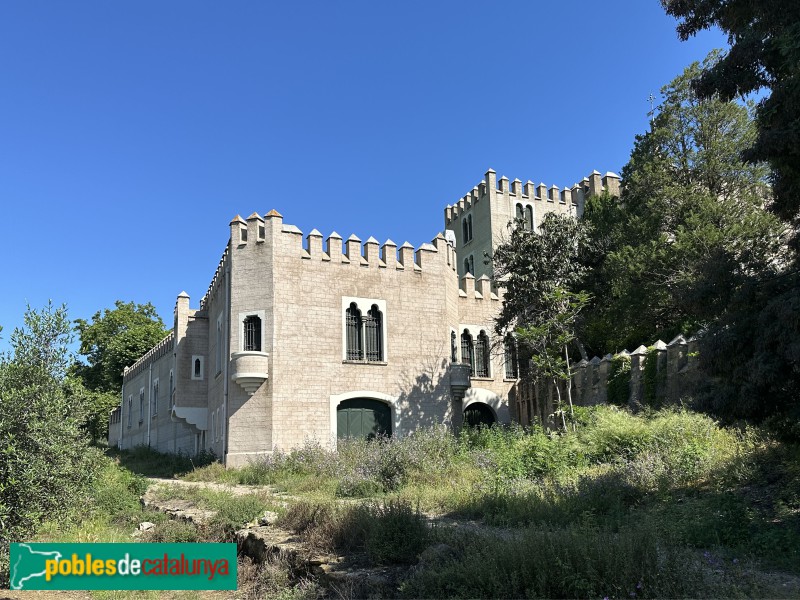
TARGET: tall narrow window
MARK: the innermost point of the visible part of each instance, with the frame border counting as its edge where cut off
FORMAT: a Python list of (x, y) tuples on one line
[(252, 334), (218, 353), (141, 405), (469, 226), (171, 389), (453, 347), (471, 264), (464, 230), (130, 410), (354, 325), (155, 397), (520, 212), (197, 368), (510, 348), (373, 330), (529, 218), (468, 351), (482, 355)]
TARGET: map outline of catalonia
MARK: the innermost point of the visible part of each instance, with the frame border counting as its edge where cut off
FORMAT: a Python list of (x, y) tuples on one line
[(14, 570)]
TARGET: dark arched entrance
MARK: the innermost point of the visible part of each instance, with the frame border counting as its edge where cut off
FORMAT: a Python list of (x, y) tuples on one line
[(477, 414), (363, 418)]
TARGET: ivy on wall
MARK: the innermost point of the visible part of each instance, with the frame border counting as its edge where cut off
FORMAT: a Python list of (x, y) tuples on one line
[(619, 380), (652, 379)]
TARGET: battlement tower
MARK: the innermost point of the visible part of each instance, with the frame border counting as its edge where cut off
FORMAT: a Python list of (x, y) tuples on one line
[(479, 219)]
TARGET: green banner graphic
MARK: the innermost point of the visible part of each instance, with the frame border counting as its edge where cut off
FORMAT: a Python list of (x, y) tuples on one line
[(123, 566)]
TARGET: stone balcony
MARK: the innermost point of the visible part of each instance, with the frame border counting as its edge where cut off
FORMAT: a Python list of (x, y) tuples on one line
[(249, 370)]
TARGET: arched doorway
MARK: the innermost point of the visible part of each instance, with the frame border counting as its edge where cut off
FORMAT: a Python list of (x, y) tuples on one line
[(477, 414), (363, 418)]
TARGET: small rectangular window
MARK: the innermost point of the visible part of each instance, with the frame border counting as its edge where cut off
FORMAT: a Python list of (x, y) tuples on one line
[(252, 334), (244, 234)]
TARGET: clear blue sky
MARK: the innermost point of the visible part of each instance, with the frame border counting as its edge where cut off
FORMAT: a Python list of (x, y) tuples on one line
[(132, 132)]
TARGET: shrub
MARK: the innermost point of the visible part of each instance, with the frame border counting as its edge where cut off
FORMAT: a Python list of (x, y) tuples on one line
[(576, 561)]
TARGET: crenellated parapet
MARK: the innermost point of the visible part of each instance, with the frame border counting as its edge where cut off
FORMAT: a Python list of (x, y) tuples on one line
[(477, 289), (369, 254), (567, 198), (215, 280), (160, 349)]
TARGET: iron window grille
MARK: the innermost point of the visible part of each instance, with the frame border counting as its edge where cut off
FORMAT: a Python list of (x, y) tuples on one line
[(354, 325), (364, 334), (373, 330), (512, 370), (252, 334), (468, 351), (482, 355)]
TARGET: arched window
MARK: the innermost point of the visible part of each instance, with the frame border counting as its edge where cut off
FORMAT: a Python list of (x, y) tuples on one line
[(482, 355), (453, 347), (469, 265), (520, 212), (510, 347), (464, 230), (252, 334), (354, 325), (468, 351), (197, 368), (529, 218), (469, 226), (373, 334)]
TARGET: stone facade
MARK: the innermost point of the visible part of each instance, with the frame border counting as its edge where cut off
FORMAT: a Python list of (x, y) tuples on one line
[(269, 358)]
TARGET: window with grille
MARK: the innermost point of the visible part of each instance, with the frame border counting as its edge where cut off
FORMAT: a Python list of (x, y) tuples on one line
[(512, 371), (252, 334), (482, 355), (529, 218), (468, 351), (373, 334), (364, 338), (520, 212), (355, 326)]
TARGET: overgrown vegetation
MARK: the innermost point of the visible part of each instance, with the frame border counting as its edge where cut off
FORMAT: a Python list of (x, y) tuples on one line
[(664, 503)]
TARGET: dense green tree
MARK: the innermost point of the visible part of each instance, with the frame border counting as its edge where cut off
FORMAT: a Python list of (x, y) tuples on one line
[(46, 463), (530, 266), (536, 269), (115, 339), (764, 37), (689, 229)]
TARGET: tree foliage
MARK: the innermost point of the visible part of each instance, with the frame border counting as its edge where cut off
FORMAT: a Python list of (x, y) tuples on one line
[(764, 37), (530, 266), (46, 464), (115, 339), (536, 269), (689, 229)]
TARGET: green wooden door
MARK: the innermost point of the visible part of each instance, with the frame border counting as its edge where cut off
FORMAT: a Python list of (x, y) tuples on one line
[(363, 418)]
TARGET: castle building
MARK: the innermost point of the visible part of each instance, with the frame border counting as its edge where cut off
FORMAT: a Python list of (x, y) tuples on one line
[(301, 338)]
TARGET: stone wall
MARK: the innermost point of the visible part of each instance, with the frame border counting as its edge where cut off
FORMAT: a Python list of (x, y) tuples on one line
[(659, 375)]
